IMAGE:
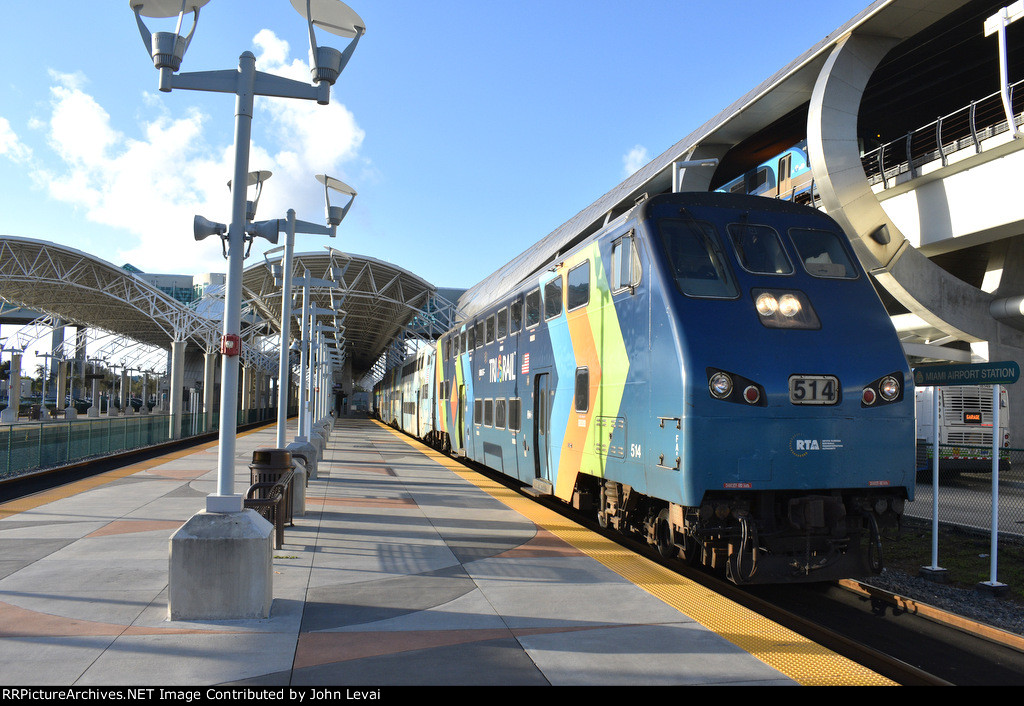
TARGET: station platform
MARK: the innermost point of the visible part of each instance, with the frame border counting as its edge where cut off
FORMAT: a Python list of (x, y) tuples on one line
[(406, 568)]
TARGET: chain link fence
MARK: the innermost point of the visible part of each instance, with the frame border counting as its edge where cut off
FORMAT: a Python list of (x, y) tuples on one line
[(965, 491)]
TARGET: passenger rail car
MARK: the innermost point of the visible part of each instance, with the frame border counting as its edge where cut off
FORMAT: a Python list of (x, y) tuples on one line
[(712, 371), (784, 176)]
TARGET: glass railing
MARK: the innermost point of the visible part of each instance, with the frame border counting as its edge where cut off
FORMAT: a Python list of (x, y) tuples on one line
[(30, 446)]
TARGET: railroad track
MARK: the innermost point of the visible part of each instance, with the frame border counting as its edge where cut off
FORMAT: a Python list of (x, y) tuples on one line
[(909, 643)]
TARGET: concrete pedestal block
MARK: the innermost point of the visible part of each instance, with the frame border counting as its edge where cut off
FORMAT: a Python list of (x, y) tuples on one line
[(221, 567), (298, 489), (9, 415), (307, 452)]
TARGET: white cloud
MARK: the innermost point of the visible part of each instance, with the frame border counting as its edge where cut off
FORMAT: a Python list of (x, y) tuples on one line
[(11, 146), (635, 159), (151, 186)]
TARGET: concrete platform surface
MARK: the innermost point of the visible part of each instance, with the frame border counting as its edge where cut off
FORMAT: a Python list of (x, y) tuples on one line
[(405, 569)]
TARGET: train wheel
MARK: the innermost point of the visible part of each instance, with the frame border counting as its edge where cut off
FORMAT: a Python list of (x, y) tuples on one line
[(664, 536)]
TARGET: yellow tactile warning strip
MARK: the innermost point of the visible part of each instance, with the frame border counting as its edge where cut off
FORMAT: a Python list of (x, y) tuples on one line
[(29, 502), (800, 659)]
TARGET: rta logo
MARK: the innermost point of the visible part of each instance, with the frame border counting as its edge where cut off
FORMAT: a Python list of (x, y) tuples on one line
[(801, 447)]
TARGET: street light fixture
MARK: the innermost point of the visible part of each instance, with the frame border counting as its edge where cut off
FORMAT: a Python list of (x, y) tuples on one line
[(167, 51), (270, 229), (206, 592)]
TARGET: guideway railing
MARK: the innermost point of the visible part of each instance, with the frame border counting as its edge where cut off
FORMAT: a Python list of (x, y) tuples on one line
[(965, 128)]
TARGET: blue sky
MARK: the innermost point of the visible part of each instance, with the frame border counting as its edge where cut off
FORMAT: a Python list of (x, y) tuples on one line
[(470, 128)]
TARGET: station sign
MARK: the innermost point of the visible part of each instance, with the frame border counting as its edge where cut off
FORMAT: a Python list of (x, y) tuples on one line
[(1005, 373)]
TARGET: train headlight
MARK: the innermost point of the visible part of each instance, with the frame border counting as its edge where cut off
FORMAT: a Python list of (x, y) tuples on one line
[(732, 387), (789, 306), (889, 388), (883, 391), (766, 304), (720, 385), (785, 309)]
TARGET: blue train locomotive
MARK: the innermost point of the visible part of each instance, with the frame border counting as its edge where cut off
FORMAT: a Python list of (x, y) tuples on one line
[(712, 371)]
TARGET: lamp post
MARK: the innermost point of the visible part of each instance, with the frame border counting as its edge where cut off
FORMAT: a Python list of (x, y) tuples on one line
[(94, 377), (167, 50), (10, 414), (335, 214), (226, 534), (113, 388), (46, 372)]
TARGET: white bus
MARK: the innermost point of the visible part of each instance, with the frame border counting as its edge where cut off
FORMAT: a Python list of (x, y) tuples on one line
[(965, 427)]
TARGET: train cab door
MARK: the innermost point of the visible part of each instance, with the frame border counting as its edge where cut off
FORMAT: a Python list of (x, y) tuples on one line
[(541, 425), (460, 422), (785, 180)]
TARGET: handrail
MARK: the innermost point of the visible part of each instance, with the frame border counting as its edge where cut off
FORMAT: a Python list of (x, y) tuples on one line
[(946, 134)]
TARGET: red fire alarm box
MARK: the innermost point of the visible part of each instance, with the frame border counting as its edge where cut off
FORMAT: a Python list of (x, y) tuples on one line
[(230, 344)]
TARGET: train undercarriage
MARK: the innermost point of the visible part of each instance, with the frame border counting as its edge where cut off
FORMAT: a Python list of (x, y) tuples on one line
[(762, 537)]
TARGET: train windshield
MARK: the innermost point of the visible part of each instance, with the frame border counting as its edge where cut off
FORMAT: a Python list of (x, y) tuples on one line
[(759, 249), (822, 253), (695, 258)]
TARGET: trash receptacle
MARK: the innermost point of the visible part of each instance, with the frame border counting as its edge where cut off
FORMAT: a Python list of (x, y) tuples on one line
[(270, 466)]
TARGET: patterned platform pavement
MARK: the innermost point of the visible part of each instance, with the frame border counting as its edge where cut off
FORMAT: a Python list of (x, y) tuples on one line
[(404, 569)]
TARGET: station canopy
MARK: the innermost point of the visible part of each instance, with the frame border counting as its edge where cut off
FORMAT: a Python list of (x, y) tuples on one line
[(375, 305), (82, 290)]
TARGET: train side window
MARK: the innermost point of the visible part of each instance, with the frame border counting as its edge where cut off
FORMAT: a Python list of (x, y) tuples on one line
[(759, 249), (695, 259), (516, 316), (488, 413), (499, 414), (822, 253), (502, 324), (761, 181), (582, 389), (478, 411), (553, 298), (578, 292), (533, 308), (472, 338), (625, 263), (513, 414), (490, 329), (464, 342), (479, 334)]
